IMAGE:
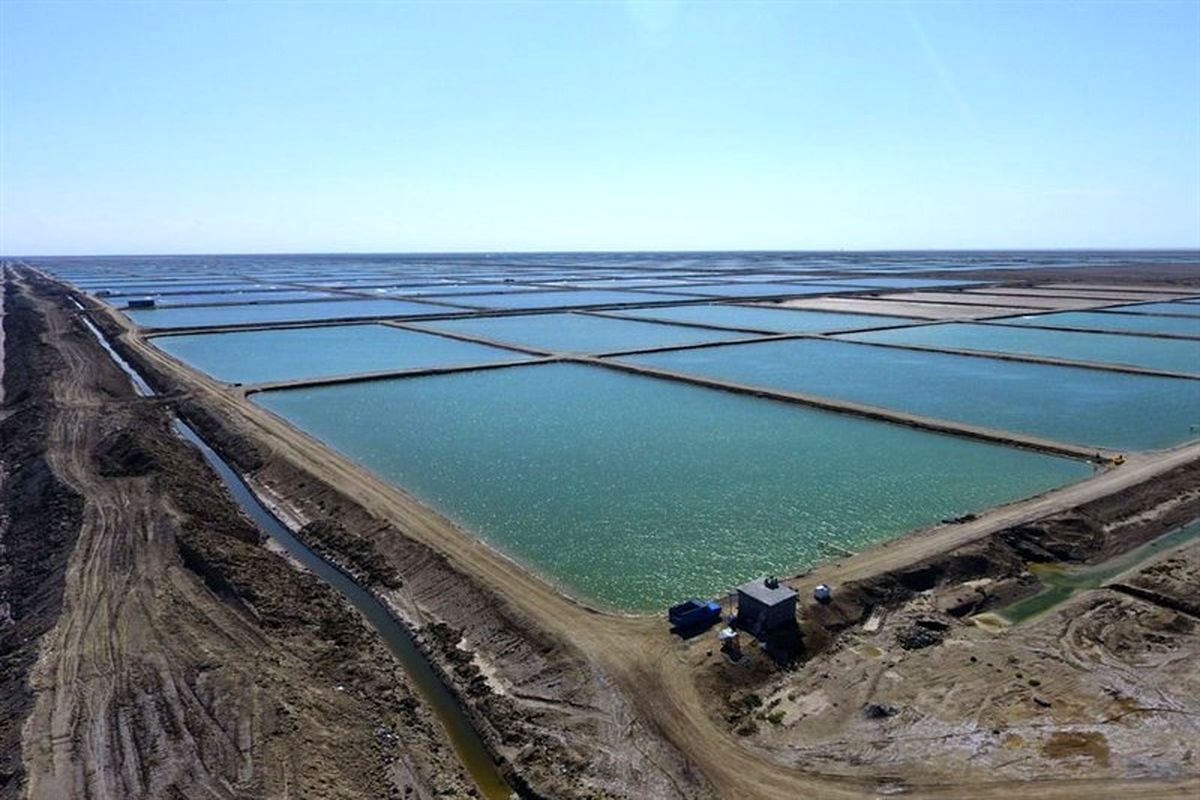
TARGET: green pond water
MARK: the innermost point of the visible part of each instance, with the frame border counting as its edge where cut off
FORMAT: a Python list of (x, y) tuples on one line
[(578, 333), (636, 492), (1135, 323), (199, 316), (1061, 583), (277, 355), (773, 320), (1172, 355), (1069, 404)]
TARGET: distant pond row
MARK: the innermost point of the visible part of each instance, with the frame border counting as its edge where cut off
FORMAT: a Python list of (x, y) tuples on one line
[(634, 491)]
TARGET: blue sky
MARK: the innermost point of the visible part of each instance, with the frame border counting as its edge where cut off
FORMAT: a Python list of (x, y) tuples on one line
[(279, 127)]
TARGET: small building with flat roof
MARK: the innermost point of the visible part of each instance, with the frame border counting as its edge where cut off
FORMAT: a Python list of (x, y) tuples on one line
[(764, 605)]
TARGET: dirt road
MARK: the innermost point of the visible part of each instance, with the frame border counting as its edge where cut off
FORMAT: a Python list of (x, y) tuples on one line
[(182, 658)]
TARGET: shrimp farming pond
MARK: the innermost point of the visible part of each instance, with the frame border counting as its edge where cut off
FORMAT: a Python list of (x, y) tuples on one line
[(636, 428)]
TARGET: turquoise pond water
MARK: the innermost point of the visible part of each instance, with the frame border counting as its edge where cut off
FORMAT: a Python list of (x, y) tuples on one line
[(579, 333), (899, 283), (1098, 320), (197, 316), (771, 320), (257, 356), (141, 289), (637, 492), (1069, 404), (556, 299), (448, 290), (1187, 309), (626, 283), (759, 289), (1172, 355), (211, 298)]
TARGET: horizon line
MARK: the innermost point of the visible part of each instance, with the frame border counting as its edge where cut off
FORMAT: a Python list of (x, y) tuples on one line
[(766, 251)]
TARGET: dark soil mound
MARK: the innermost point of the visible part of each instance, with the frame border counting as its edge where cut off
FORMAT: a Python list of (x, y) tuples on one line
[(122, 455)]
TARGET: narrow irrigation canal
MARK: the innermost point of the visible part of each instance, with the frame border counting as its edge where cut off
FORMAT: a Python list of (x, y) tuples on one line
[(468, 745), (1061, 583)]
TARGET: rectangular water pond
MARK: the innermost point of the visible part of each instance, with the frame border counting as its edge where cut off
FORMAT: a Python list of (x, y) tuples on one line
[(737, 289), (200, 316), (1171, 355), (899, 283), (579, 333), (637, 492), (1100, 320), (561, 299), (280, 355), (1068, 404), (143, 289), (770, 320), (448, 290), (625, 283), (1171, 307), (237, 298)]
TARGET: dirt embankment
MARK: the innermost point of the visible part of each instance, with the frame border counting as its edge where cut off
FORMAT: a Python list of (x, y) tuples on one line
[(540, 704), (995, 571), (40, 517), (1171, 582), (176, 656)]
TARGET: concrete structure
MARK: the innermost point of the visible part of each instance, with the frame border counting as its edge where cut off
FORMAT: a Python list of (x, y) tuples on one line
[(764, 605)]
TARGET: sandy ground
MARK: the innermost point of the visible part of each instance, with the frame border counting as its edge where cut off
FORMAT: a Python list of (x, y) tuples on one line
[(1101, 686), (604, 704), (162, 672)]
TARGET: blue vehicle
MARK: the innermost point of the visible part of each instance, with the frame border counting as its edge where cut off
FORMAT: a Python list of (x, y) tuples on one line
[(693, 613)]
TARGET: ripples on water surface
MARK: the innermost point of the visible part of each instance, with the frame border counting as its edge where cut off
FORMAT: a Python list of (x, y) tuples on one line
[(1069, 404), (636, 492), (199, 316), (1102, 320), (280, 355), (578, 333), (1172, 355)]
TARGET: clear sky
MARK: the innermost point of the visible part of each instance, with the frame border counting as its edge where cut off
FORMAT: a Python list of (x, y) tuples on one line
[(290, 127)]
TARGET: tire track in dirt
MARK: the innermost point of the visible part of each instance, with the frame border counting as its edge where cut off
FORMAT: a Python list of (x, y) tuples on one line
[(150, 684)]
